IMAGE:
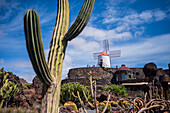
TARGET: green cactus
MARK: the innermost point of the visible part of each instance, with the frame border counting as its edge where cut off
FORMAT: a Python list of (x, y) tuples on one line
[(50, 74), (67, 89), (7, 88), (26, 85), (117, 89)]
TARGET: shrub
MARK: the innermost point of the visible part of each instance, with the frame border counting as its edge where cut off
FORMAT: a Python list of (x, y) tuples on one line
[(117, 89), (67, 89)]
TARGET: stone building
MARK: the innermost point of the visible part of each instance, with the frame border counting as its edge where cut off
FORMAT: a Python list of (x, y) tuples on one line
[(123, 73), (129, 77)]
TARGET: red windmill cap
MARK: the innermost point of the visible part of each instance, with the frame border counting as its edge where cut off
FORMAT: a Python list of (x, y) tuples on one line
[(103, 53)]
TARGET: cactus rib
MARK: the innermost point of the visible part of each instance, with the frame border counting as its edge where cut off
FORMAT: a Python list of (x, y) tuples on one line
[(35, 45), (56, 54)]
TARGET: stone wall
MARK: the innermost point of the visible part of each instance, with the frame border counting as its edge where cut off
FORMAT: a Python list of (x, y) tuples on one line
[(102, 76), (97, 72)]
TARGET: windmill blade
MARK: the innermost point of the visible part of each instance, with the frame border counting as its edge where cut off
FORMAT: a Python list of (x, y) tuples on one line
[(106, 45), (95, 55), (116, 53)]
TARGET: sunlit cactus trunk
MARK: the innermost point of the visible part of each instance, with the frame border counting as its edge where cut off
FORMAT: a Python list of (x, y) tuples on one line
[(50, 74), (55, 58)]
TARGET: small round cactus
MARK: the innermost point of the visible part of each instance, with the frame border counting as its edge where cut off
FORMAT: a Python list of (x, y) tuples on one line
[(71, 104)]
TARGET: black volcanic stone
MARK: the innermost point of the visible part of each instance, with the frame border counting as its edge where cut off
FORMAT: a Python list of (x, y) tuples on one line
[(150, 69)]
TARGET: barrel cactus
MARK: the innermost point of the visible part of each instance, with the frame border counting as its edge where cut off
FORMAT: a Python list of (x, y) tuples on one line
[(71, 104), (50, 73)]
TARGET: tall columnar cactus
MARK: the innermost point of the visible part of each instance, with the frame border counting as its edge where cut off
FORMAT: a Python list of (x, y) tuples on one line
[(50, 74)]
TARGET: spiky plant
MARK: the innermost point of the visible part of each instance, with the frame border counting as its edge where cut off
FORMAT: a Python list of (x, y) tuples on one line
[(7, 88), (50, 73)]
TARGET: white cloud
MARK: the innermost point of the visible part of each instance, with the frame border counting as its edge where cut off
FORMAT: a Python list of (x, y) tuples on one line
[(146, 16), (131, 20), (121, 28), (82, 45), (100, 34), (125, 15), (138, 31), (81, 50), (151, 49), (159, 15)]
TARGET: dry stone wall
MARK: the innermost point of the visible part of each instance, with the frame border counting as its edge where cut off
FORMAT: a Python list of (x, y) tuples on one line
[(103, 76)]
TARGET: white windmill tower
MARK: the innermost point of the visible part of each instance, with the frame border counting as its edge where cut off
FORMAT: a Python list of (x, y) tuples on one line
[(105, 56)]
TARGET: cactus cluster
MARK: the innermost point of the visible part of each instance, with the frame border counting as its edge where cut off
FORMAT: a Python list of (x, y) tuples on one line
[(50, 73), (67, 89), (7, 88), (117, 89), (154, 92)]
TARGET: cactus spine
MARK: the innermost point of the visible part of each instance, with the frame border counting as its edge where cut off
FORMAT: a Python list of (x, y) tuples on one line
[(50, 74)]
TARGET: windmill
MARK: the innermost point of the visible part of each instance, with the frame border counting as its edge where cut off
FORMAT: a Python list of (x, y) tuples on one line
[(105, 56)]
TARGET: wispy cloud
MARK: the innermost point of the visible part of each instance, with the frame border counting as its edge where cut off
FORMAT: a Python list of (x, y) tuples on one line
[(80, 44), (67, 64), (152, 49), (2, 34), (135, 18), (12, 44), (27, 77), (15, 23), (99, 34), (2, 61), (24, 64), (8, 8)]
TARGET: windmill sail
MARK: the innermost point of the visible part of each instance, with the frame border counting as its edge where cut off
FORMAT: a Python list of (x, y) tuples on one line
[(115, 53), (95, 55), (106, 45)]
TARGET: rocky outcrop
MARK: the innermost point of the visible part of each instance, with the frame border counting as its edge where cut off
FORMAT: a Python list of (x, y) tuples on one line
[(150, 70), (25, 98), (38, 86), (19, 81)]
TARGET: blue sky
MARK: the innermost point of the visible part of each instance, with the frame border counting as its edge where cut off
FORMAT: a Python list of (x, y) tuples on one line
[(139, 28)]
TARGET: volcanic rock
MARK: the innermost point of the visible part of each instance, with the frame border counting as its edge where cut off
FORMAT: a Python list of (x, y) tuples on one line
[(38, 85), (150, 69)]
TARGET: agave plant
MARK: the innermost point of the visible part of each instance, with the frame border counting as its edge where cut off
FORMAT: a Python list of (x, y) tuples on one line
[(50, 73)]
